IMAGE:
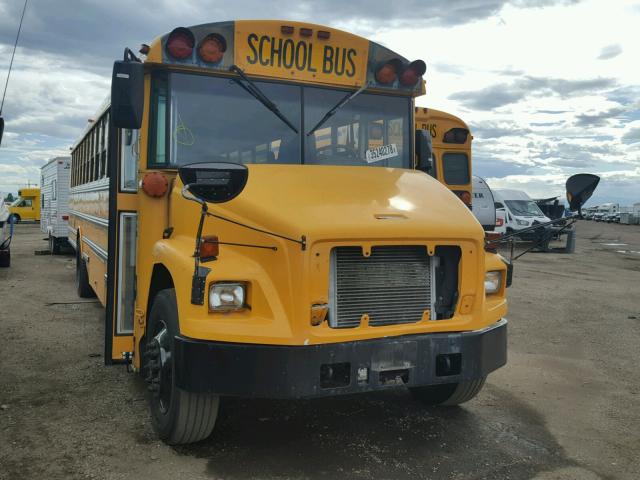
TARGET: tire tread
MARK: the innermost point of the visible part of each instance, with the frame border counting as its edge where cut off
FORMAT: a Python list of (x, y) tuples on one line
[(465, 391), (197, 412)]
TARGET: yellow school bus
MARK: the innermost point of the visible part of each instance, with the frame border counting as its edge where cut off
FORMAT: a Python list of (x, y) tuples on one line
[(252, 210), (27, 206), (451, 150)]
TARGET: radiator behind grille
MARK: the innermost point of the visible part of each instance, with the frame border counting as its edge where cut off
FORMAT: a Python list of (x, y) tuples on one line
[(392, 286)]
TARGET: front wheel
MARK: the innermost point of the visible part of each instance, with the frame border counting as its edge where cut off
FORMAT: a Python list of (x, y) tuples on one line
[(178, 416), (448, 394)]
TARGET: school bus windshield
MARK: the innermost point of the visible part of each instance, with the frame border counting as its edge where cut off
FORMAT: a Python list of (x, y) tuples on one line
[(212, 118)]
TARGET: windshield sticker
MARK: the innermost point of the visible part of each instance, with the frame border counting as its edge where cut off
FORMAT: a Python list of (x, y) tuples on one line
[(381, 153)]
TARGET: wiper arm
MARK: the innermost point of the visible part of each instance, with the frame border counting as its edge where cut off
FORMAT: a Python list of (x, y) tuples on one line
[(346, 99), (256, 93)]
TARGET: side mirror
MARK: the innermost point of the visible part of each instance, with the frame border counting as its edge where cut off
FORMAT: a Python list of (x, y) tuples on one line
[(127, 92), (424, 150), (580, 187), (1, 128), (214, 182)]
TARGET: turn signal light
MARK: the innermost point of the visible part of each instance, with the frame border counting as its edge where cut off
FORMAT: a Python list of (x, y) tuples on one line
[(180, 43), (212, 48), (412, 73), (209, 248)]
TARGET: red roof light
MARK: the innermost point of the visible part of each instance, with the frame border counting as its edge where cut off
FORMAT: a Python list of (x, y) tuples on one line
[(180, 43), (412, 73), (456, 135), (212, 48), (388, 72)]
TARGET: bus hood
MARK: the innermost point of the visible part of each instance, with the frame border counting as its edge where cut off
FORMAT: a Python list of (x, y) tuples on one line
[(342, 203)]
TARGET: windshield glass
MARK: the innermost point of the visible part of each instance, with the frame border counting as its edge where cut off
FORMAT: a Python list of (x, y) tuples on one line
[(199, 118), (525, 208)]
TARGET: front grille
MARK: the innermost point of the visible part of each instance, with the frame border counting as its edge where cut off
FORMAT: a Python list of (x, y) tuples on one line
[(391, 286)]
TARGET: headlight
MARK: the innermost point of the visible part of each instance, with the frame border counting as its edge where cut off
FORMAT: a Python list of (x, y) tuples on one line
[(523, 223), (227, 297), (492, 282)]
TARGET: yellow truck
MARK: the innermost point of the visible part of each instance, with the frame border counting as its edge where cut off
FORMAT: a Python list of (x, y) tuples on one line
[(27, 206)]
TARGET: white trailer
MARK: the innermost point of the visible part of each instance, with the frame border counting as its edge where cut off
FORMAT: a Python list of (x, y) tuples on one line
[(54, 189), (484, 207)]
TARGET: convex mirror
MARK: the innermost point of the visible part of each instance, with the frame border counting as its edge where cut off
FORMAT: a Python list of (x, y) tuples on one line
[(127, 92), (214, 182), (580, 187)]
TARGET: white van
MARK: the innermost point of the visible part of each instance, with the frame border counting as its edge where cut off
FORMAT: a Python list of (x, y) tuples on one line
[(54, 208), (483, 207), (521, 211)]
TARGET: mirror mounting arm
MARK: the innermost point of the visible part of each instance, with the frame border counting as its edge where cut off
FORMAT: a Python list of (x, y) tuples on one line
[(129, 56), (199, 280)]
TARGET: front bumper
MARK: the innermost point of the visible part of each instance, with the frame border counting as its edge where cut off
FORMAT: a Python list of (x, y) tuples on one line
[(280, 371)]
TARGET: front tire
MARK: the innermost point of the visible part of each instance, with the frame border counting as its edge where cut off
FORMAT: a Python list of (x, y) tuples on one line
[(448, 394), (178, 416)]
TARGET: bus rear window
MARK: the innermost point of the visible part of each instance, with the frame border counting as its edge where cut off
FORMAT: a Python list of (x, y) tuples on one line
[(455, 167)]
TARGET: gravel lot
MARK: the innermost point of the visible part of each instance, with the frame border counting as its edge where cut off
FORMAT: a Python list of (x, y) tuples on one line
[(566, 406)]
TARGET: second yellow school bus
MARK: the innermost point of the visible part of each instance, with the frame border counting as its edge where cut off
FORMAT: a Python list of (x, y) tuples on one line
[(451, 150), (248, 210)]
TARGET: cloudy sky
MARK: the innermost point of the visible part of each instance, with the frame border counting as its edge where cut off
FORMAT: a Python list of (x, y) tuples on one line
[(550, 88)]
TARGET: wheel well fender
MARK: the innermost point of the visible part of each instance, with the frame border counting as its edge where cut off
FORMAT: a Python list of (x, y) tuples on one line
[(161, 279)]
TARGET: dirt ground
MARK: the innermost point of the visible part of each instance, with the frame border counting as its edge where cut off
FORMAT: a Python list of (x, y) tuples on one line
[(566, 406)]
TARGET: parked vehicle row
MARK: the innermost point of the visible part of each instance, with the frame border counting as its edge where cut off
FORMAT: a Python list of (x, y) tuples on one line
[(603, 217)]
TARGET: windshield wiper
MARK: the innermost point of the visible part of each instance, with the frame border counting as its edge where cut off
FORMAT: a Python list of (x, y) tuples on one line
[(256, 93), (346, 99)]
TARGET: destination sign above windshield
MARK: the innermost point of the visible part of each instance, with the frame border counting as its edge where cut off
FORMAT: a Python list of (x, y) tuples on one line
[(300, 52)]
